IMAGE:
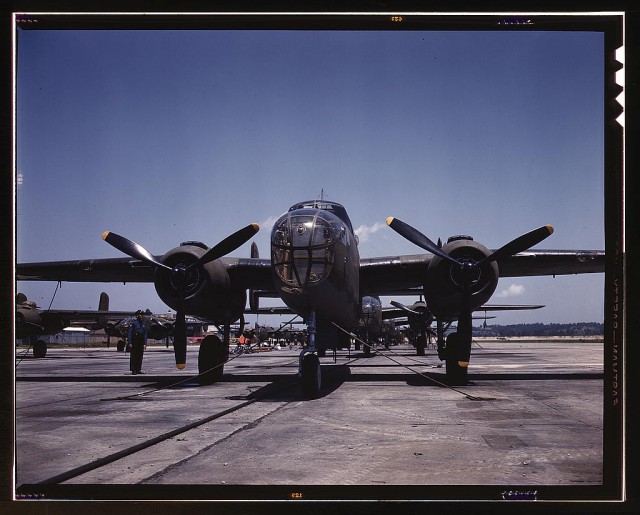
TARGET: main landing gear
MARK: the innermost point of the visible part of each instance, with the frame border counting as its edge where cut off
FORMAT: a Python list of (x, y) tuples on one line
[(212, 356), (309, 366), (39, 349), (457, 375), (452, 354)]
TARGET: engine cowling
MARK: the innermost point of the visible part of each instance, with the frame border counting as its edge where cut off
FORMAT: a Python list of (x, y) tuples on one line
[(159, 331), (28, 322), (423, 319), (111, 329), (208, 290), (449, 286)]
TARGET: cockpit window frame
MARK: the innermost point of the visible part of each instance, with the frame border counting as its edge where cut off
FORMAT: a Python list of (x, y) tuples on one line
[(287, 257), (325, 205)]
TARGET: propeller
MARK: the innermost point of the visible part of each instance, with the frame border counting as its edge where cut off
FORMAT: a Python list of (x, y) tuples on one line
[(468, 271), (179, 274), (519, 244), (423, 318), (229, 244), (131, 248), (401, 306), (417, 238)]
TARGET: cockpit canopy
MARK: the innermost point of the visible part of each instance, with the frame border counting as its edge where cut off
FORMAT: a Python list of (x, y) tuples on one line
[(325, 205), (303, 245)]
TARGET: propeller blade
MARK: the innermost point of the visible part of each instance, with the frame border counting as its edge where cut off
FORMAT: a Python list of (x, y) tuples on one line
[(520, 244), (180, 340), (417, 238), (131, 248), (229, 244), (403, 307)]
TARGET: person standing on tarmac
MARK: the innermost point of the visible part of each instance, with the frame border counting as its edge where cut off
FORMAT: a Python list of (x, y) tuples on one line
[(138, 342)]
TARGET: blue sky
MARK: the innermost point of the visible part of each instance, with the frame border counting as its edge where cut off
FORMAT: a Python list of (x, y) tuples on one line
[(167, 136)]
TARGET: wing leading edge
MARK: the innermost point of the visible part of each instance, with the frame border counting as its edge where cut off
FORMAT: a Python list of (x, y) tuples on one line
[(378, 276), (398, 274)]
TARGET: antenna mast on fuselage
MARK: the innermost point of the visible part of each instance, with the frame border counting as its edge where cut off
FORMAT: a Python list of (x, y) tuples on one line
[(321, 196)]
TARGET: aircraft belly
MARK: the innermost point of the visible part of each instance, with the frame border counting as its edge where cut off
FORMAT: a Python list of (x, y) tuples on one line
[(328, 301)]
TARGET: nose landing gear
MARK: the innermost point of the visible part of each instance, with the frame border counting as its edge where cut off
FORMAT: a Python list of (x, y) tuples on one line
[(309, 367)]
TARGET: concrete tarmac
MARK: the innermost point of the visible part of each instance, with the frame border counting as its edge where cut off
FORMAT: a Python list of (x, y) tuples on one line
[(531, 417)]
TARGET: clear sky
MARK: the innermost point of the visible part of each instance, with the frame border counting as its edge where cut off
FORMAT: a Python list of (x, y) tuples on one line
[(167, 136)]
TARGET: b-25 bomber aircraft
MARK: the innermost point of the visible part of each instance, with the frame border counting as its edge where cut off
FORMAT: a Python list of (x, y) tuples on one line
[(316, 269), (33, 323), (420, 318)]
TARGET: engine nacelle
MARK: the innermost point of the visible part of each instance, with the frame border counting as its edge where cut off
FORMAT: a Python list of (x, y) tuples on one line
[(28, 322), (447, 285), (208, 293), (423, 319), (156, 332), (370, 315), (111, 329)]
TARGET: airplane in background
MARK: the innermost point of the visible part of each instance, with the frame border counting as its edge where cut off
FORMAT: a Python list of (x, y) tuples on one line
[(33, 323), (158, 328), (420, 317), (316, 270)]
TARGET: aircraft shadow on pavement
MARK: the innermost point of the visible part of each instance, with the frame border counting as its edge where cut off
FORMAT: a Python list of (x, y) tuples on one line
[(161, 380), (289, 388)]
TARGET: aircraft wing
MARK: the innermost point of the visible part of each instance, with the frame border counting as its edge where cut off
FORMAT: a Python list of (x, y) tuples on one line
[(401, 275), (250, 272), (394, 313), (124, 270), (378, 276), (273, 310), (76, 316)]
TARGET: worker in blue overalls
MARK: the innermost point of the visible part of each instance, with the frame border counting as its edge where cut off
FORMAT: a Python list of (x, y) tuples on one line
[(138, 342)]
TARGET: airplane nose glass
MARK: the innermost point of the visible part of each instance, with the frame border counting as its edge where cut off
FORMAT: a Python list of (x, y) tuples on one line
[(303, 248)]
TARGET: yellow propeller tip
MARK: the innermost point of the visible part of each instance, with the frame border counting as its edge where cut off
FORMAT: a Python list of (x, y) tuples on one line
[(389, 220), (463, 364), (256, 227), (105, 234), (180, 366), (550, 228)]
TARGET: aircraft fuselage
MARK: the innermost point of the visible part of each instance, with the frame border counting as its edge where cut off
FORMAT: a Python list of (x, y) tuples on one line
[(315, 262)]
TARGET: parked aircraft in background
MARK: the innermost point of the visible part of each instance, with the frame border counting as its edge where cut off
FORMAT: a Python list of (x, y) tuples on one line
[(420, 318), (315, 268), (33, 323)]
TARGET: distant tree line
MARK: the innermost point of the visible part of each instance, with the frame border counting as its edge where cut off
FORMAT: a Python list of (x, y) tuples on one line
[(576, 329)]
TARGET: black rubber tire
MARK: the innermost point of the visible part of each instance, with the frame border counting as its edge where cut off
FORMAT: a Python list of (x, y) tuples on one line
[(211, 358), (311, 376), (456, 375), (39, 349)]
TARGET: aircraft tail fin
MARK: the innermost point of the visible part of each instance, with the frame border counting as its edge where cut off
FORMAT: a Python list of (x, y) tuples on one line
[(103, 305)]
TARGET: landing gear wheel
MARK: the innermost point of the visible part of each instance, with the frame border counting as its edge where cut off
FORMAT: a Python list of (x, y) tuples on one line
[(211, 358), (311, 376), (39, 349), (420, 345), (456, 375), (120, 345)]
